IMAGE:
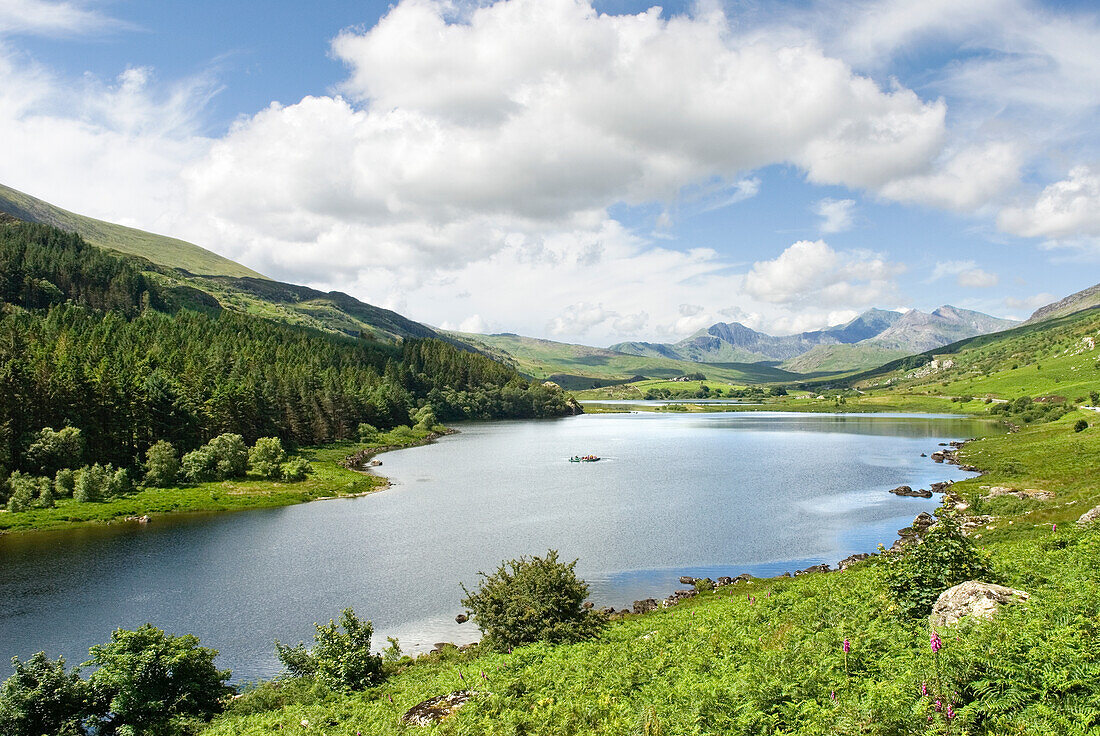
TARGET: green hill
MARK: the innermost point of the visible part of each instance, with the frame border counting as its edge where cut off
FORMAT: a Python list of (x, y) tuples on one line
[(576, 367), (1055, 357), (160, 249), (196, 278)]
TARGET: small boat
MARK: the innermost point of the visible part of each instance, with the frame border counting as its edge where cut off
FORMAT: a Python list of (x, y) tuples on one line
[(584, 459)]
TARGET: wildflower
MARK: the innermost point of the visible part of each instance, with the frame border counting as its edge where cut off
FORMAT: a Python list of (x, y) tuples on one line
[(939, 706), (832, 694), (1054, 528), (950, 712), (923, 689), (461, 677), (847, 646), (934, 642), (390, 697)]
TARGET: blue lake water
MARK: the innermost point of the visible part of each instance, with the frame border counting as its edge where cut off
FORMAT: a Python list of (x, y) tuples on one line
[(699, 494)]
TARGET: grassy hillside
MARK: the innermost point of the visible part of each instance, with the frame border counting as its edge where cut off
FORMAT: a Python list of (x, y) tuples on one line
[(578, 367), (834, 358), (1056, 357), (160, 249)]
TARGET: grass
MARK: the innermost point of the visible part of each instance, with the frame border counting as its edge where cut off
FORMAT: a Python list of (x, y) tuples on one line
[(159, 249), (328, 479)]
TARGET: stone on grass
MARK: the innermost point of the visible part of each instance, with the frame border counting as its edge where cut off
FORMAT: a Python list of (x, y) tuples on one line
[(972, 598), (434, 710)]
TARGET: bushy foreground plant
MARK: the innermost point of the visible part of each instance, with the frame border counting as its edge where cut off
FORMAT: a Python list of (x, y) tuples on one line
[(532, 599), (266, 458), (341, 660), (917, 575), (43, 697), (146, 680), (147, 683)]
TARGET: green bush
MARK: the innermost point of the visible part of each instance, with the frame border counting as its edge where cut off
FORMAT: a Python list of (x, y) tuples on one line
[(222, 458), (532, 599), (296, 469), (147, 680), (917, 575), (51, 450), (119, 483), (162, 466), (1080, 425), (26, 491), (368, 433), (425, 418), (266, 457), (91, 483), (42, 697), (64, 483), (341, 660)]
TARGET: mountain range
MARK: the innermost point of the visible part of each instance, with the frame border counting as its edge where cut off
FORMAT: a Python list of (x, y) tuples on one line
[(872, 338)]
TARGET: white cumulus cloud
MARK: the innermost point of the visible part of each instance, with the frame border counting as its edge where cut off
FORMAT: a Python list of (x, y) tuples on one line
[(812, 272)]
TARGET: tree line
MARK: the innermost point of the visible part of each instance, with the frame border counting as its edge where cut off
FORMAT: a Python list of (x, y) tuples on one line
[(87, 341)]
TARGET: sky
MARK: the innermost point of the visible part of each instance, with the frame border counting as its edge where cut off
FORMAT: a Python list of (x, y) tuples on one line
[(585, 172)]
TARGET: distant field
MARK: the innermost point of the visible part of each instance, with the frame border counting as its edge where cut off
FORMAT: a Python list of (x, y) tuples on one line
[(579, 367)]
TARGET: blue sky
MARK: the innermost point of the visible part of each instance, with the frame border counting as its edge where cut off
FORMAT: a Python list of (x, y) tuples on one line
[(583, 173)]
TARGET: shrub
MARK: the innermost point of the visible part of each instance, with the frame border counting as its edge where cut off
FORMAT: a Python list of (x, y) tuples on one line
[(368, 433), (147, 679), (402, 434), (64, 483), (199, 466), (162, 466), (52, 450), (917, 575), (266, 456), (1080, 425), (91, 483), (42, 697), (230, 455), (532, 599), (222, 458), (119, 483), (296, 469), (425, 418), (342, 660), (704, 585), (26, 490)]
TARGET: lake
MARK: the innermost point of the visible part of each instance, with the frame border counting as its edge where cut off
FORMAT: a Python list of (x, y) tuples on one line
[(698, 494)]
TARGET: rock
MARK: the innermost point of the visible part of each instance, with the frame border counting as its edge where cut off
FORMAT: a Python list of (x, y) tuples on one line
[(851, 559), (649, 604), (972, 598), (908, 491), (687, 580), (442, 646), (924, 521), (434, 710), (924, 454), (942, 486), (461, 618), (1089, 516), (1027, 493), (744, 577), (812, 569), (937, 457), (587, 605), (725, 580), (678, 596)]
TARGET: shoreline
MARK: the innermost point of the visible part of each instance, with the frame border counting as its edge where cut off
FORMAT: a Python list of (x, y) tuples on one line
[(224, 497)]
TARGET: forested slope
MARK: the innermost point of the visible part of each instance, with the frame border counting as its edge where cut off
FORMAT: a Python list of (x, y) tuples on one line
[(89, 340)]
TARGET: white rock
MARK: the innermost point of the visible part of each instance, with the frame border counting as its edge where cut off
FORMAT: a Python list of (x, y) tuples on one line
[(972, 598)]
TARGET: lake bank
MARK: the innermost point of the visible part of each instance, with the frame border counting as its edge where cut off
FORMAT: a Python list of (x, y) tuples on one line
[(329, 479)]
